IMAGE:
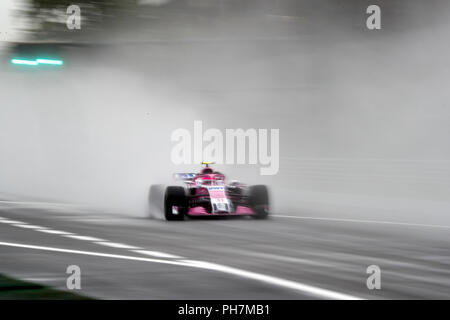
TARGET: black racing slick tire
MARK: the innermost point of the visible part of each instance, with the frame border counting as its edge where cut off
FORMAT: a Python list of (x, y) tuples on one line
[(174, 203), (259, 201)]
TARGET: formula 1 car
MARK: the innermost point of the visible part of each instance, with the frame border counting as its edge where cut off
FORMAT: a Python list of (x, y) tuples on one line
[(207, 194)]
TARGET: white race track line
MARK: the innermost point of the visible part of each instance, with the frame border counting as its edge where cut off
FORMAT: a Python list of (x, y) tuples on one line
[(11, 221), (28, 226), (116, 245), (363, 221), (51, 231), (304, 288), (85, 238), (157, 254)]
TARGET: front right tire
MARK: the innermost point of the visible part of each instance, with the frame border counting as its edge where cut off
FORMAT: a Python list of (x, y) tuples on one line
[(259, 201)]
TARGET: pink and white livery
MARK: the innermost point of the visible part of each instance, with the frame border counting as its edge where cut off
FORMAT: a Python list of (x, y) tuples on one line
[(207, 194)]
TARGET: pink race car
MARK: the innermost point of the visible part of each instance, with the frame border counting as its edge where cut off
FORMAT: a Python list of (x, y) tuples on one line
[(207, 194)]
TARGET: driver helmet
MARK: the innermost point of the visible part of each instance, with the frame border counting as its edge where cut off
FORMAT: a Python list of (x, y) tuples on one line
[(207, 170)]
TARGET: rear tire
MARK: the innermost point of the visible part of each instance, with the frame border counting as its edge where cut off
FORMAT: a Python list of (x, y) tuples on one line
[(259, 201), (174, 197)]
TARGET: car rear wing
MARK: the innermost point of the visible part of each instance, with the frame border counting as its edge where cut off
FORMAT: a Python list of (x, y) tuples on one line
[(185, 177)]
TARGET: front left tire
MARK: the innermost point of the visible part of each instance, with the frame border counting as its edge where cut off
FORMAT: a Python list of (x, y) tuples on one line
[(174, 203)]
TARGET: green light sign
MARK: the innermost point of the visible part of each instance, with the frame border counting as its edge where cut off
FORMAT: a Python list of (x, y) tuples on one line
[(38, 61)]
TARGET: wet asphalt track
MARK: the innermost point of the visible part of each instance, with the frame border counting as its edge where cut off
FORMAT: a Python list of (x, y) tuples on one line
[(311, 254)]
